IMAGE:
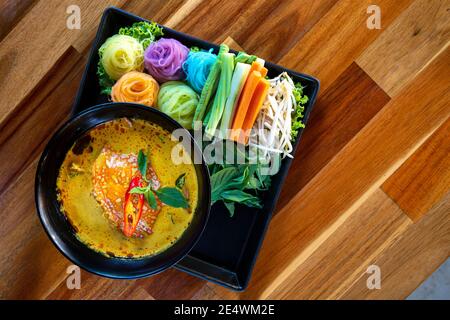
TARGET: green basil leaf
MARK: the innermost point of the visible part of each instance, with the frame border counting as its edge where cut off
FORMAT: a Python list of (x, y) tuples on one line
[(172, 197), (221, 181), (241, 197), (230, 206), (142, 163), (139, 190), (181, 181), (151, 200)]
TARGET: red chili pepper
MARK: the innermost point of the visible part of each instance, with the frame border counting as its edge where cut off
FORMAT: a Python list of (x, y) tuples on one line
[(132, 211)]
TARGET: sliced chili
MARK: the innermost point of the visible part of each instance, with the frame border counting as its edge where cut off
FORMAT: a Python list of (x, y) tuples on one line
[(132, 209)]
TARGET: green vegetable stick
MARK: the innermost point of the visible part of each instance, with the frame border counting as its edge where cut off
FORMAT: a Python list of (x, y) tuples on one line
[(210, 86), (207, 91), (222, 93), (245, 58)]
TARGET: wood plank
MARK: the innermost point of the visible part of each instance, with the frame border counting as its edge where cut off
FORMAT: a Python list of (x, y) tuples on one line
[(341, 259), (410, 261), (22, 50), (425, 177), (163, 286), (11, 11), (81, 39), (94, 287), (211, 21), (206, 293), (339, 114), (338, 39), (31, 266), (376, 152), (162, 11), (23, 241), (229, 41), (160, 286), (182, 12), (408, 45), (278, 25), (224, 293), (37, 117), (261, 21)]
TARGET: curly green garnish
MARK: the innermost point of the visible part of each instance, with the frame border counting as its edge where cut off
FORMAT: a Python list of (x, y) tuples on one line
[(105, 81), (297, 115), (144, 32)]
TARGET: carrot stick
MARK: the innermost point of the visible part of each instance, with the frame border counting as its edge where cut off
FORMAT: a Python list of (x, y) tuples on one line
[(256, 66), (263, 71), (244, 102), (259, 95)]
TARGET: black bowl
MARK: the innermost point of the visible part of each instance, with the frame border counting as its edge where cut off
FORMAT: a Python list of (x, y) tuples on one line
[(59, 229)]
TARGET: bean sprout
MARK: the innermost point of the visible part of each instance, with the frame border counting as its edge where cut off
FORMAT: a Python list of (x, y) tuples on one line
[(271, 133)]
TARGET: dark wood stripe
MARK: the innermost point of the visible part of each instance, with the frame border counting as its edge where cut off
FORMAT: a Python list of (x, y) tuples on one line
[(425, 177), (340, 112)]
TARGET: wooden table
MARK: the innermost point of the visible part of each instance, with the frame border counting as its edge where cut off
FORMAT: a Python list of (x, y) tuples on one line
[(370, 181)]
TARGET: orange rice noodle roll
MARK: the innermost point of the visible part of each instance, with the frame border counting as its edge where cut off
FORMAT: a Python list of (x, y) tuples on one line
[(136, 87)]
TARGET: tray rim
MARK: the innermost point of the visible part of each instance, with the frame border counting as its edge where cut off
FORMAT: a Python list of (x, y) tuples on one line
[(185, 264)]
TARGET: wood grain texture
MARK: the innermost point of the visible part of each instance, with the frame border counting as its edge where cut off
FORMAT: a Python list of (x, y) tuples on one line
[(206, 293), (94, 287), (23, 49), (172, 284), (278, 25), (342, 258), (333, 219), (371, 156), (31, 266), (162, 11), (339, 114), (22, 239), (418, 252), (11, 11), (408, 45), (163, 286), (37, 116), (341, 36), (229, 41), (211, 22), (425, 177)]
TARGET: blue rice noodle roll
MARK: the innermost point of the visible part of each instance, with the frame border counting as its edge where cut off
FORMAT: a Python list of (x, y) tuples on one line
[(197, 67)]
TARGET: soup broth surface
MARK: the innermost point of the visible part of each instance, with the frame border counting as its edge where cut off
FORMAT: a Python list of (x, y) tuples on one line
[(87, 216)]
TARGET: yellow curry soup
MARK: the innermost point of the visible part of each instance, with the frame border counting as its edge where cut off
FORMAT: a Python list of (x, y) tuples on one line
[(94, 178)]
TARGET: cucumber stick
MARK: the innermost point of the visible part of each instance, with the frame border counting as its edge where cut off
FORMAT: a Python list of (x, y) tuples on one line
[(237, 84), (210, 85), (222, 93)]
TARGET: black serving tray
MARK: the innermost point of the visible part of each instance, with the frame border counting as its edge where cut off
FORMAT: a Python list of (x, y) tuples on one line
[(227, 250)]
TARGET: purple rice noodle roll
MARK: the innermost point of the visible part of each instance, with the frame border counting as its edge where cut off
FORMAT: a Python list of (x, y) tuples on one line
[(164, 59)]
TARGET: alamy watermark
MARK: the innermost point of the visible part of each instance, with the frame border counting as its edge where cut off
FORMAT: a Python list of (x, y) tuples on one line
[(374, 19), (73, 281), (218, 150), (374, 279), (73, 21)]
